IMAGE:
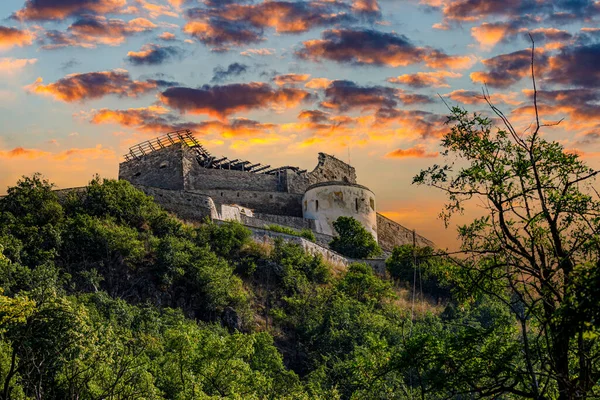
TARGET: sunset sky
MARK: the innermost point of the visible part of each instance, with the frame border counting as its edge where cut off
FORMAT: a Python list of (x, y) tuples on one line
[(277, 82)]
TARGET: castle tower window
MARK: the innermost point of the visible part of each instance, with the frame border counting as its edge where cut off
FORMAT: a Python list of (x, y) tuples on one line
[(372, 203), (316, 205), (356, 204)]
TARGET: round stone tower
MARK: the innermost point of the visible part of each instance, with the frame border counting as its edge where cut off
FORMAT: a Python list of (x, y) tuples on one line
[(325, 202)]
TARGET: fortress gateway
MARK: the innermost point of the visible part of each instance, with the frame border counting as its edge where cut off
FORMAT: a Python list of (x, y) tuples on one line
[(185, 179)]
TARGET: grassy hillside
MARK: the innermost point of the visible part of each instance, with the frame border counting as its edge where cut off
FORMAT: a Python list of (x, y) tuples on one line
[(106, 296)]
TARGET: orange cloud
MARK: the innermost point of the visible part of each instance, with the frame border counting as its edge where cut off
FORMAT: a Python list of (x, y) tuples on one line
[(417, 151), (425, 79), (490, 34), (11, 37), (157, 119), (222, 101), (167, 36), (370, 47), (290, 79), (10, 66), (91, 30), (318, 83), (75, 153), (366, 6), (157, 10), (507, 69), (60, 9), (472, 97), (94, 85), (258, 52)]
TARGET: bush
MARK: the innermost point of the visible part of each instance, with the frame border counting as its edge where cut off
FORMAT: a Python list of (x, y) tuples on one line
[(353, 240), (401, 266), (304, 233)]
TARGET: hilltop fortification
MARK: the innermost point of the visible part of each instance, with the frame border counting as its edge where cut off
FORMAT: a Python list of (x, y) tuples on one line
[(186, 179)]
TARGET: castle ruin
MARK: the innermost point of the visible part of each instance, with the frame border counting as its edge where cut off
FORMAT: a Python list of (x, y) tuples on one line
[(187, 180)]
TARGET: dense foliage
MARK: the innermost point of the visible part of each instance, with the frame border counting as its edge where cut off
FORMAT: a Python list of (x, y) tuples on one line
[(106, 296), (353, 240), (536, 249)]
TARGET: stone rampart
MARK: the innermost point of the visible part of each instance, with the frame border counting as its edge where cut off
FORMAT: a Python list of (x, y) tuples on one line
[(160, 169), (328, 169), (259, 220), (277, 203), (186, 205), (198, 178), (391, 234), (266, 236)]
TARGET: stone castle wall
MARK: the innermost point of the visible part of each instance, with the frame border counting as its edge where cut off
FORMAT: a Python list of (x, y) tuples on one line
[(328, 169), (277, 203), (180, 185), (186, 205), (161, 169), (198, 178), (391, 234)]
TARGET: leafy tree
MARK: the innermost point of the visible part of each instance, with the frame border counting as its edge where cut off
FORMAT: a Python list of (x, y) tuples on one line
[(536, 250), (31, 214), (353, 239), (421, 267)]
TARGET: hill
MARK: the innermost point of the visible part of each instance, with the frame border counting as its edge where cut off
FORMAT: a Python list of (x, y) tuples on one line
[(104, 295)]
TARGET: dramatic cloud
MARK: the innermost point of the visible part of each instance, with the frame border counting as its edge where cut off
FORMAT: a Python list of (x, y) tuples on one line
[(490, 34), (156, 10), (257, 52), (551, 11), (239, 24), (507, 69), (222, 32), (347, 95), (235, 69), (157, 119), (577, 65), (418, 151), (582, 105), (472, 97), (11, 37), (154, 54), (89, 31), (40, 10), (318, 83), (75, 153), (222, 101), (290, 79), (10, 66), (412, 123), (167, 36), (370, 47), (425, 79), (94, 85)]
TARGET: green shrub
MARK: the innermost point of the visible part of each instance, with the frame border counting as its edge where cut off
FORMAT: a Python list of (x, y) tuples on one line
[(353, 239), (304, 233)]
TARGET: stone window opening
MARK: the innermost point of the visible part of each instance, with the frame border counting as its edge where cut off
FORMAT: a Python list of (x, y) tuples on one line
[(137, 174), (372, 203), (238, 194), (316, 205), (356, 204)]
